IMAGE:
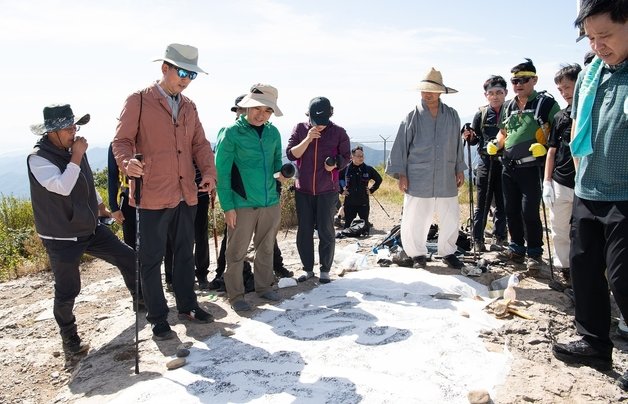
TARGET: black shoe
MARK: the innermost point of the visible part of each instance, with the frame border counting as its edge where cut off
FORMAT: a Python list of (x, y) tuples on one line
[(197, 315), (203, 284), (582, 353), (283, 272), (72, 345), (162, 331), (419, 262), (479, 246), (453, 262), (510, 255), (622, 381)]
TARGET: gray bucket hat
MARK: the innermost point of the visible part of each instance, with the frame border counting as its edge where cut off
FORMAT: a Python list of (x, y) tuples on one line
[(57, 117), (183, 56)]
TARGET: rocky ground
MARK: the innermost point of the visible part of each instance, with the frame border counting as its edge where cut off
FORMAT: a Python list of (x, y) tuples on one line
[(34, 369)]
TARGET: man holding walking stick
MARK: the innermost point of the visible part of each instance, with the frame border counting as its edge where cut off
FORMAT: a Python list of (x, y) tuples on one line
[(163, 125), (484, 130)]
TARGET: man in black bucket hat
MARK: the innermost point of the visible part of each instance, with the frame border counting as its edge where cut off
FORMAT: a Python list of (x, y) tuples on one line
[(66, 208)]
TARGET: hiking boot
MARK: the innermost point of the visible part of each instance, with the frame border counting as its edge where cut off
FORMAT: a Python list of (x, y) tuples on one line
[(271, 295), (534, 263), (203, 284), (582, 353), (72, 345), (419, 262), (452, 261), (338, 221), (241, 305), (197, 315), (479, 246), (283, 272), (162, 331), (324, 277), (216, 283), (308, 275), (510, 255)]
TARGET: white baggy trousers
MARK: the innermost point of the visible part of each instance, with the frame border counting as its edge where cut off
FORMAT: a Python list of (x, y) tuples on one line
[(417, 217)]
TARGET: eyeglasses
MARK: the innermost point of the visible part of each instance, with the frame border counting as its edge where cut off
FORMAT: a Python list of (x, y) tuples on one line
[(185, 73), (520, 80)]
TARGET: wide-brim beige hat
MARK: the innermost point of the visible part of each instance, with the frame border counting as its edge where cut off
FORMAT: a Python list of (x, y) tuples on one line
[(433, 83), (262, 95), (183, 56)]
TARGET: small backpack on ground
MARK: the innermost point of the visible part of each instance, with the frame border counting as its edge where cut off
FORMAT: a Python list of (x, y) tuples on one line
[(358, 228)]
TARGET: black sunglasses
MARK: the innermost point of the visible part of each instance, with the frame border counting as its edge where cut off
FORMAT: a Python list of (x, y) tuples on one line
[(520, 80), (185, 73)]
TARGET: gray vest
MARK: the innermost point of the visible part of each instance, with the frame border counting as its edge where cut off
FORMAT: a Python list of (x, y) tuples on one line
[(58, 216)]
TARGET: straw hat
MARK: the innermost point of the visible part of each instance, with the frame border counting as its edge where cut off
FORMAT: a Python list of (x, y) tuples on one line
[(433, 83)]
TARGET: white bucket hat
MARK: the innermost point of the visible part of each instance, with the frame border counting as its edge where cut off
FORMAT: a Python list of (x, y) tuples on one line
[(262, 95), (433, 83), (183, 56)]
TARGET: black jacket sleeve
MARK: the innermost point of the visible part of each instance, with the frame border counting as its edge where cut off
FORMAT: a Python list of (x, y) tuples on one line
[(113, 184), (374, 175)]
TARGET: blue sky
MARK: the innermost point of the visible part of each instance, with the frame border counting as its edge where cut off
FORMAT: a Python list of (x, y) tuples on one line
[(367, 57)]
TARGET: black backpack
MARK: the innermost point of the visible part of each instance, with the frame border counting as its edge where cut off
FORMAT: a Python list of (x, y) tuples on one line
[(358, 228)]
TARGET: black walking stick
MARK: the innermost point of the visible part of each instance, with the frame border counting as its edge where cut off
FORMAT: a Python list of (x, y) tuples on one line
[(380, 205), (489, 197), (137, 196), (553, 284), (467, 126)]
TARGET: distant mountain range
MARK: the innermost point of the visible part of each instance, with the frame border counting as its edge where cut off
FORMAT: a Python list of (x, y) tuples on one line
[(14, 177)]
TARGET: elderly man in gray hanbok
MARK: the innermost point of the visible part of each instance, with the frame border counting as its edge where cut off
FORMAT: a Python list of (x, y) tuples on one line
[(428, 160)]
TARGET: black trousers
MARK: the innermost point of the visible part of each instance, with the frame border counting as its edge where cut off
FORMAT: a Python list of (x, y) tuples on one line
[(351, 211), (128, 226), (522, 196), (316, 210), (177, 226), (65, 258), (485, 195), (599, 250), (222, 261), (201, 244)]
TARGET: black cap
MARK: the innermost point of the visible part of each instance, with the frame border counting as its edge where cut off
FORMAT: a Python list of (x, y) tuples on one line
[(320, 111), (237, 100)]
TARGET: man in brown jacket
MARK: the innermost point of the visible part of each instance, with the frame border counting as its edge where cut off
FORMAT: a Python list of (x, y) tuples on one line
[(163, 125)]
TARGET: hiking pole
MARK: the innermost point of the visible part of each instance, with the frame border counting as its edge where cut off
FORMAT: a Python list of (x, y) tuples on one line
[(380, 205), (467, 126), (489, 197), (137, 196), (213, 198), (553, 284)]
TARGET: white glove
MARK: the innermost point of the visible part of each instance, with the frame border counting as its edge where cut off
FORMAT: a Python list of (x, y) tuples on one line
[(548, 193)]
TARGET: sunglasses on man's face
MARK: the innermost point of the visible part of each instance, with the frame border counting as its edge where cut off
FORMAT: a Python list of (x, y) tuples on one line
[(186, 73), (520, 80)]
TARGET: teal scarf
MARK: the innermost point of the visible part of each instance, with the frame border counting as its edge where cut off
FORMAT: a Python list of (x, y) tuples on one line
[(581, 144)]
